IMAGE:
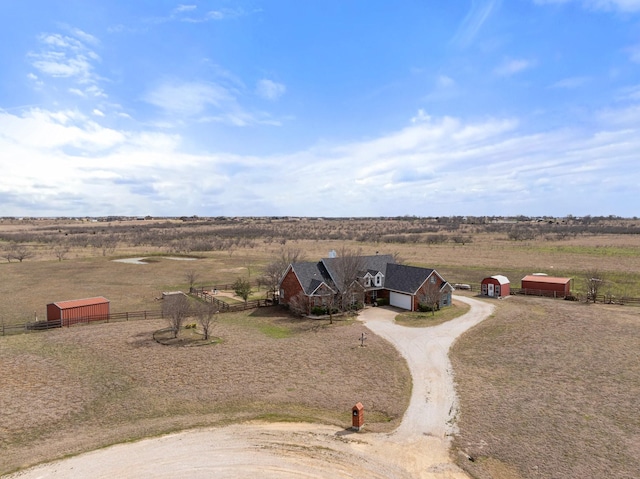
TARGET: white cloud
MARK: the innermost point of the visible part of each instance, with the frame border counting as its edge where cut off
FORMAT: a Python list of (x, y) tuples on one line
[(478, 14), (270, 90), (204, 102), (511, 67), (68, 57), (189, 98), (185, 8), (97, 112), (444, 164)]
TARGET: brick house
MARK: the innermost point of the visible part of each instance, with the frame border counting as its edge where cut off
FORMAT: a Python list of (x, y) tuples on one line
[(380, 277)]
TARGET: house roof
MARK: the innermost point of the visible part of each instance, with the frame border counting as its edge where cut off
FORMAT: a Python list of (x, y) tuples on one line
[(371, 264), (405, 279), (546, 279), (311, 275), (397, 277), (76, 303)]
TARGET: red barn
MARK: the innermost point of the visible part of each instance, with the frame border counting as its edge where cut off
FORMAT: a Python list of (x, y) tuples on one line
[(496, 286), (542, 285), (78, 310)]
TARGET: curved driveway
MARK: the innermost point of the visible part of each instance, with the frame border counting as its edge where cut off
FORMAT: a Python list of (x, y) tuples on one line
[(433, 403)]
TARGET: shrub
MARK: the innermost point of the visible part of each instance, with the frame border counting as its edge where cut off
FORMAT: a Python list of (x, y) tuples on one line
[(318, 311), (427, 308), (382, 302)]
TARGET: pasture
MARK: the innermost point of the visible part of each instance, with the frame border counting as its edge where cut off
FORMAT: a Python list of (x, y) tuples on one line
[(547, 388)]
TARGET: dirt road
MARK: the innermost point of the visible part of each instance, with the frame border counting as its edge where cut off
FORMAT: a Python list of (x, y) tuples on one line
[(417, 449)]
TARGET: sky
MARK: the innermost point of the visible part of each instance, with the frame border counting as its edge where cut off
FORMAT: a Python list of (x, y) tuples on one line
[(319, 108)]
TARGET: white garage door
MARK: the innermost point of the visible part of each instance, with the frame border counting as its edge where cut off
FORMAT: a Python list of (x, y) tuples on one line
[(400, 300)]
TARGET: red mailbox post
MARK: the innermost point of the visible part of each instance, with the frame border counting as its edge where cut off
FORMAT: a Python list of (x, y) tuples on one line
[(357, 416)]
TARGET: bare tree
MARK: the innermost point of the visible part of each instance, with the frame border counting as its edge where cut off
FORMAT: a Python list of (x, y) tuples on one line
[(430, 294), (207, 314), (20, 252), (7, 253), (348, 267), (176, 308), (60, 250), (107, 243), (298, 304), (192, 277), (594, 281), (274, 270)]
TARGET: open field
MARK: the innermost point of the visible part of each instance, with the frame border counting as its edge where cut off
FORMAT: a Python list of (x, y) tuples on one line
[(78, 389), (547, 388), (227, 249), (550, 388)]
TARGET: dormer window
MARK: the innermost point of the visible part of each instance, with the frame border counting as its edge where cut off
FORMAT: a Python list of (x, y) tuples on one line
[(378, 279), (367, 281)]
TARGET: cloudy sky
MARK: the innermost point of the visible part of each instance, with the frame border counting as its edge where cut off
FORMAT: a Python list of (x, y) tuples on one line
[(319, 108)]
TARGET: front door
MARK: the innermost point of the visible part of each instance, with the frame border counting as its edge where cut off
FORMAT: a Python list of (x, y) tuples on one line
[(490, 291)]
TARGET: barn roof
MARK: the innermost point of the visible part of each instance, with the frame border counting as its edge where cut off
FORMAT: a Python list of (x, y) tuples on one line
[(546, 279), (76, 303), (501, 279)]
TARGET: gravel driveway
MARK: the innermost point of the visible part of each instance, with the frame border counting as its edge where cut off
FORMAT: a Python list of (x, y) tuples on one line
[(419, 448)]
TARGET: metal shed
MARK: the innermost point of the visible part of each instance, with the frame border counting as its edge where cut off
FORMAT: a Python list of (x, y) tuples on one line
[(78, 310), (540, 285), (496, 286)]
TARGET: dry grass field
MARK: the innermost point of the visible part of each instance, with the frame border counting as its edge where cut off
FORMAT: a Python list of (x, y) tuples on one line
[(226, 249), (549, 389), (81, 388)]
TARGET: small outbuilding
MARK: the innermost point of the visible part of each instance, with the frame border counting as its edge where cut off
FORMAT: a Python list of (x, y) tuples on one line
[(78, 310), (497, 286), (542, 285)]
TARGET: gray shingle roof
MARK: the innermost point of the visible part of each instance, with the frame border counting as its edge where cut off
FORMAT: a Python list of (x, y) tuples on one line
[(405, 279), (311, 275), (398, 277), (372, 264)]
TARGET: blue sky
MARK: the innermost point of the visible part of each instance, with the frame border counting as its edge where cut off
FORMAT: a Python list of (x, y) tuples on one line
[(319, 108)]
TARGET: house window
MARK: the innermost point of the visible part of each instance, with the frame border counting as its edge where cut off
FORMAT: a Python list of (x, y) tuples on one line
[(367, 281), (378, 280), (433, 280), (281, 294)]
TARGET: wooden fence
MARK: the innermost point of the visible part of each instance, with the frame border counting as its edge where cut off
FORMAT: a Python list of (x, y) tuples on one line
[(204, 294), (208, 295)]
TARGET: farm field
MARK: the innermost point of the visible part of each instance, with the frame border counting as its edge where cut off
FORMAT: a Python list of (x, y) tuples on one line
[(547, 388)]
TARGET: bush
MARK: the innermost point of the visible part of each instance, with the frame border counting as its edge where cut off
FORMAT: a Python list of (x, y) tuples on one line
[(427, 308), (382, 302), (356, 306), (318, 311)]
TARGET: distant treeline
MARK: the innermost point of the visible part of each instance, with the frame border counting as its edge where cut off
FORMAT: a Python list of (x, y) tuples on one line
[(194, 234)]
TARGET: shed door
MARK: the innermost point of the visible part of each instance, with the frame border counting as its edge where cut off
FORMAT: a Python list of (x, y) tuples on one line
[(400, 300), (490, 289)]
